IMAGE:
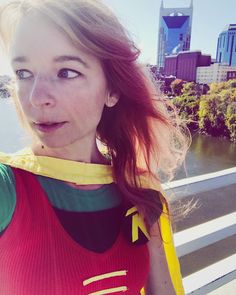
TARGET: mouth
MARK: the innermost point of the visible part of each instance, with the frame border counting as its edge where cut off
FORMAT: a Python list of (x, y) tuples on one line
[(47, 127)]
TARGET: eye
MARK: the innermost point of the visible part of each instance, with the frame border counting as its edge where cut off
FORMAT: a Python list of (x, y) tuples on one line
[(23, 74), (68, 74)]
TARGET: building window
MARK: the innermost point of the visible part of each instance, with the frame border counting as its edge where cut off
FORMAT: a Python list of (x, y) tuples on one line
[(228, 43)]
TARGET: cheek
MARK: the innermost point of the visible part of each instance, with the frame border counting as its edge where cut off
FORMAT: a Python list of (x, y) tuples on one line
[(85, 110), (86, 100), (22, 94)]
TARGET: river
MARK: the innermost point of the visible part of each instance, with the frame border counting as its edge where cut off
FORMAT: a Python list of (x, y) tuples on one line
[(206, 154)]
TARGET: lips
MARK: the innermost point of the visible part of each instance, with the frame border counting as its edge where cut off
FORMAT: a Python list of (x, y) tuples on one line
[(48, 126)]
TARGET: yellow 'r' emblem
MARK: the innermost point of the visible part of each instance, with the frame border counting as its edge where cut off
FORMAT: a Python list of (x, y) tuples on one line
[(137, 223)]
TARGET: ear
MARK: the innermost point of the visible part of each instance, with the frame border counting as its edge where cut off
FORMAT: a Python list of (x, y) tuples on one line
[(112, 100)]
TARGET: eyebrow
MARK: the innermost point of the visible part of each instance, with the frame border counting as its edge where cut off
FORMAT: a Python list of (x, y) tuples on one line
[(59, 59), (19, 59), (64, 58)]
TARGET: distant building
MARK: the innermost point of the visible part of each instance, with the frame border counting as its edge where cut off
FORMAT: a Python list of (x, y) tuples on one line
[(231, 75), (174, 32), (226, 46), (184, 65), (214, 74)]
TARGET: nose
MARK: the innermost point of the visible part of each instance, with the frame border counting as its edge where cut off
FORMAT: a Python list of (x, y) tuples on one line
[(41, 95)]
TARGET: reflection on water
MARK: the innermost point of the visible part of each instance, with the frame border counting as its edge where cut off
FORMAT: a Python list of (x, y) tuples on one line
[(206, 154)]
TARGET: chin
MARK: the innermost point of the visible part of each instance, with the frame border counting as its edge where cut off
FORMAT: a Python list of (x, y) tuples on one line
[(59, 142), (55, 145)]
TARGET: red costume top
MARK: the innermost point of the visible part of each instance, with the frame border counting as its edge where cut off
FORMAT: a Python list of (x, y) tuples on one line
[(37, 256)]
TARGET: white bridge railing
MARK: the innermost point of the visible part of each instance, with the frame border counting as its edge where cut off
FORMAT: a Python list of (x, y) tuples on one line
[(197, 237)]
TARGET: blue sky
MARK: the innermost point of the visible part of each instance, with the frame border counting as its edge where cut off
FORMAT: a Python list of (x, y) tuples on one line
[(141, 17)]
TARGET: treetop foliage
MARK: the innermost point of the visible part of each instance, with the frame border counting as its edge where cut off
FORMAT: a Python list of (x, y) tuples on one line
[(210, 110)]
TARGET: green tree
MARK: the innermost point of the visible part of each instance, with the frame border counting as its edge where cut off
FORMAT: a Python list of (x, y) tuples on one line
[(177, 86), (188, 107), (188, 104), (212, 111), (230, 120), (215, 112)]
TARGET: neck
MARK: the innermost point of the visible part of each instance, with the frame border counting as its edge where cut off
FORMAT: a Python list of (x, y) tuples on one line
[(86, 153)]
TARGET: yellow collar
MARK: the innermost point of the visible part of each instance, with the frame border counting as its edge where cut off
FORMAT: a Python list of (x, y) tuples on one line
[(66, 170), (76, 172)]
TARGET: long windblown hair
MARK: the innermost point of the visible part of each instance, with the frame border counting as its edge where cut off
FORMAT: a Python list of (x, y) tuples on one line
[(142, 132)]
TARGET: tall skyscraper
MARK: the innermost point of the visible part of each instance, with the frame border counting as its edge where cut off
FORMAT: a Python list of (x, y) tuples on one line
[(174, 31), (226, 46)]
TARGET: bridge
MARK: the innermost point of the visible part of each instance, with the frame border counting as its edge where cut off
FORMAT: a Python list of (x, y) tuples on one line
[(205, 240)]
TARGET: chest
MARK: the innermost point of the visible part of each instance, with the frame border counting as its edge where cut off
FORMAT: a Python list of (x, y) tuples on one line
[(43, 257)]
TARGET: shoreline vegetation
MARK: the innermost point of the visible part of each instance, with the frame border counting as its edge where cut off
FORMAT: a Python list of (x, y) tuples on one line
[(4, 84), (207, 109)]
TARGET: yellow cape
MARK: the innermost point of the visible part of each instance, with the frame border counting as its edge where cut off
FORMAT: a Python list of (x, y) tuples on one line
[(86, 173)]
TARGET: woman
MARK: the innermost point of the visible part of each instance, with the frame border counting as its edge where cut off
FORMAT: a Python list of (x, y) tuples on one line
[(78, 217)]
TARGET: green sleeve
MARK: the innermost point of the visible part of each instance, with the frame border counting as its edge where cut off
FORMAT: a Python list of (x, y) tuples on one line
[(7, 195)]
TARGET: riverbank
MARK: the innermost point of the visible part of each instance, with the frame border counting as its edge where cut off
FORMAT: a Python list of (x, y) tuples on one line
[(212, 113)]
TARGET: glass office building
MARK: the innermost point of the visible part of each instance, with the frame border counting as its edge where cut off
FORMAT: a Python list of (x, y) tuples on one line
[(174, 32), (226, 46)]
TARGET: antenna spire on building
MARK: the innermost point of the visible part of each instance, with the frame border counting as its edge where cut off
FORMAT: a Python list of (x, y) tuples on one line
[(191, 4), (162, 4)]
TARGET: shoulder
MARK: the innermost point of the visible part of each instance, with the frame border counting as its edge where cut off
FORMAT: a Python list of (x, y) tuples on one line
[(7, 195), (152, 185), (6, 176)]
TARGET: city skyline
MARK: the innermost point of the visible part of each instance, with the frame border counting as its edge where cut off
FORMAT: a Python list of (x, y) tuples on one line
[(142, 20), (226, 47), (209, 19), (174, 32)]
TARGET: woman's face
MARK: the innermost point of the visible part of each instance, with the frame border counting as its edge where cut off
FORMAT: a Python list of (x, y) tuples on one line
[(62, 89)]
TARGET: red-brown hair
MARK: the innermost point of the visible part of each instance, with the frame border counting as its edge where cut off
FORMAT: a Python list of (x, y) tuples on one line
[(141, 133)]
